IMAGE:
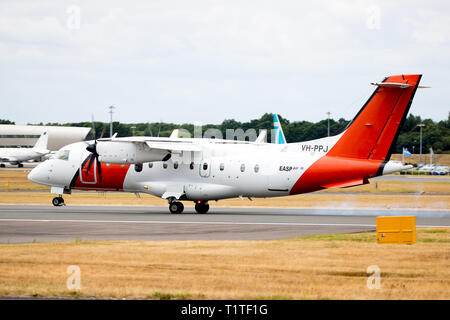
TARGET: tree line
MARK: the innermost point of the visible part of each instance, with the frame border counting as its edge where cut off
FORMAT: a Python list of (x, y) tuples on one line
[(435, 135)]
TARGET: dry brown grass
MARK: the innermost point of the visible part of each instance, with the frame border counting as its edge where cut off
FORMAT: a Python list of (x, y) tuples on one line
[(441, 159), (317, 200), (316, 267), (16, 179)]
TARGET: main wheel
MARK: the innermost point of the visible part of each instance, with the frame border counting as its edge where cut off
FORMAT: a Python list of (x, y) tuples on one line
[(2, 165), (176, 207), (201, 207), (58, 201), (20, 165)]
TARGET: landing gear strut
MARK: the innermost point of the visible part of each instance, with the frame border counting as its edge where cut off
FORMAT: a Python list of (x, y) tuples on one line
[(201, 207), (176, 207), (58, 201)]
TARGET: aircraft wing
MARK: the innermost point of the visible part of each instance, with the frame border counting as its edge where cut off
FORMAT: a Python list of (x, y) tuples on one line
[(173, 145), (8, 159)]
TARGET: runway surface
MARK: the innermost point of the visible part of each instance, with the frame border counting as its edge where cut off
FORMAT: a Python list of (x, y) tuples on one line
[(19, 224)]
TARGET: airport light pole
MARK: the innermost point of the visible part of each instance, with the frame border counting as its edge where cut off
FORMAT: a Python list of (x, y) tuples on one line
[(328, 114), (111, 122), (132, 128), (420, 157)]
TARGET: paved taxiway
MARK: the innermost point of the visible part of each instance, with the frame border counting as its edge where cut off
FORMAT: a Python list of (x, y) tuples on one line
[(45, 223)]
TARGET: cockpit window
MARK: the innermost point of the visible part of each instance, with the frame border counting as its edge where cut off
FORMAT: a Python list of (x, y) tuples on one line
[(61, 154)]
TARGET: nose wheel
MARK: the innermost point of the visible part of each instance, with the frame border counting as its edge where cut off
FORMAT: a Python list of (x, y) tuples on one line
[(58, 201)]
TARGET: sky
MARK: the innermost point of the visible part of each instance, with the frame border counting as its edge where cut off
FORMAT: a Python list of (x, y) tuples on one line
[(206, 61)]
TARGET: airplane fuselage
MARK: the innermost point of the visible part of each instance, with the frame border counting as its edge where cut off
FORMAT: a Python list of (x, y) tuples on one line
[(18, 154), (223, 170)]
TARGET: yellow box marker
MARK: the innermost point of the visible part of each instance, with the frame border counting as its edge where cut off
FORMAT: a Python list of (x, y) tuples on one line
[(396, 229)]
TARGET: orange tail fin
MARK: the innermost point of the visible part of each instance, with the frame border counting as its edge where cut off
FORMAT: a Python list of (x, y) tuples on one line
[(372, 134)]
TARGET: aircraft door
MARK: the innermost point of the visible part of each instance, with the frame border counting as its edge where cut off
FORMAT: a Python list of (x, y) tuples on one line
[(205, 168), (85, 176)]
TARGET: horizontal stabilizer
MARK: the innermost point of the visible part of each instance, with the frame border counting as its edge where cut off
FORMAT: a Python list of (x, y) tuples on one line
[(391, 85)]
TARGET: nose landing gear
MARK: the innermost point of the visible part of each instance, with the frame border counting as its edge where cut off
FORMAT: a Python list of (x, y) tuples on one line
[(58, 201)]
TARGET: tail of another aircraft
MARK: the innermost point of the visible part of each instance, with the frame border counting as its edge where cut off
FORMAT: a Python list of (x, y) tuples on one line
[(279, 135), (372, 134), (41, 144)]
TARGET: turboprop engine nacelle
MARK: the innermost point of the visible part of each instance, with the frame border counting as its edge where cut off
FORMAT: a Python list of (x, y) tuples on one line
[(128, 152)]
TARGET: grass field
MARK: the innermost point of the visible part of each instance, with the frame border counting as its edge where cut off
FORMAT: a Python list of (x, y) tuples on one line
[(441, 159), (314, 267)]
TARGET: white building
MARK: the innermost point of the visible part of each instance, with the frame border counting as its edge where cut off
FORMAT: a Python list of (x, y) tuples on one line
[(26, 136)]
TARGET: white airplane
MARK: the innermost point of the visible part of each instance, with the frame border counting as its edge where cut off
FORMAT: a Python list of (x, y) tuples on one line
[(18, 155), (201, 170)]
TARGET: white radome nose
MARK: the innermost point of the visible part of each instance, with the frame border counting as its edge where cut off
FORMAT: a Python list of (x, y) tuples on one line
[(38, 174)]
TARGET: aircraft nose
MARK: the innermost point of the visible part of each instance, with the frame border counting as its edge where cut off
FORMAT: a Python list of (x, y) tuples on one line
[(38, 174)]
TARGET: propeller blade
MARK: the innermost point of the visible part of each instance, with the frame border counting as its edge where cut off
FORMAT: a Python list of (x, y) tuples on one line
[(103, 131), (91, 161), (99, 166), (150, 130), (93, 125)]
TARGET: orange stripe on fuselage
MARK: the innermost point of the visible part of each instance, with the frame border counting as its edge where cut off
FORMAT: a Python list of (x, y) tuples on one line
[(333, 170), (113, 177)]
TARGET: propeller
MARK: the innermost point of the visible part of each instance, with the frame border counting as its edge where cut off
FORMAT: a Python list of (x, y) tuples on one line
[(150, 130), (92, 148)]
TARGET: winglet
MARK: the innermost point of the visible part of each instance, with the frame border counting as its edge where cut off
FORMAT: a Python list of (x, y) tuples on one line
[(262, 136), (174, 134)]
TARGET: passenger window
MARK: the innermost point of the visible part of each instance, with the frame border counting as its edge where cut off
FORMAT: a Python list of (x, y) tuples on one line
[(165, 165), (150, 165), (175, 165), (256, 168), (222, 167), (242, 167), (138, 167)]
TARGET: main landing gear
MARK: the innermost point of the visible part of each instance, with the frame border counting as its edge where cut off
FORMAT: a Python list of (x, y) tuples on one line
[(58, 201), (201, 207), (178, 207)]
